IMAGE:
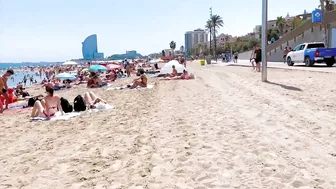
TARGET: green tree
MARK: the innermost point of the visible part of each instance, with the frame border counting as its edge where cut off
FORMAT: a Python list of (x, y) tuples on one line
[(217, 22), (253, 43), (172, 46), (260, 31), (274, 34), (328, 5), (297, 22), (281, 24)]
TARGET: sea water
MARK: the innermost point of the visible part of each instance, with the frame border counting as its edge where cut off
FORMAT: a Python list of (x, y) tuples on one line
[(19, 74)]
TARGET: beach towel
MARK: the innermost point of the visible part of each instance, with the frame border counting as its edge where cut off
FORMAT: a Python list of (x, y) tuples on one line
[(101, 107), (125, 87), (18, 105), (57, 116)]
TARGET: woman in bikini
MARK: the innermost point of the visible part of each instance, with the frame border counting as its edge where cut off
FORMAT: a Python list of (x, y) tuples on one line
[(141, 81), (48, 106), (92, 101)]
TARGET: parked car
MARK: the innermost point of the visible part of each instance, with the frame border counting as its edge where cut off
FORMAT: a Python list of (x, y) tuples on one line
[(311, 53)]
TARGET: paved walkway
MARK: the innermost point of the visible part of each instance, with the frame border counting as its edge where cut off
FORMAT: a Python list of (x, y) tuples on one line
[(281, 65)]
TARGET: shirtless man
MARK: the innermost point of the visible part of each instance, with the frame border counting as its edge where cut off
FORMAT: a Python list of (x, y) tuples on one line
[(141, 81), (4, 88), (173, 74)]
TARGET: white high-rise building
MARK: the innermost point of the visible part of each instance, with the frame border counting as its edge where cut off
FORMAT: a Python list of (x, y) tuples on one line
[(192, 38)]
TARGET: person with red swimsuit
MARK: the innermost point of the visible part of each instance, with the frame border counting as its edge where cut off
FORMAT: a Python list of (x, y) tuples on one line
[(48, 106)]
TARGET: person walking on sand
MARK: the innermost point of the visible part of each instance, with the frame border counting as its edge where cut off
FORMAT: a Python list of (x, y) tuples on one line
[(257, 56), (252, 58), (4, 88), (286, 51)]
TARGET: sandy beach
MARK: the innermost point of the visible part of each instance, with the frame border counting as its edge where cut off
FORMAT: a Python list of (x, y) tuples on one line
[(225, 129)]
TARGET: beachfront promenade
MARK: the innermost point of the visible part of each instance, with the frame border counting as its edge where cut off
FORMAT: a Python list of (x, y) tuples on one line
[(225, 129), (281, 65)]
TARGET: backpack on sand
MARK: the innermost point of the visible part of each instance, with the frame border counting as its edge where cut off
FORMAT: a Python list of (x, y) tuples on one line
[(66, 106), (31, 101), (79, 104)]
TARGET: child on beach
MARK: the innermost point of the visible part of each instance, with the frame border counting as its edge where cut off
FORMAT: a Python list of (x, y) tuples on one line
[(4, 88), (173, 74), (252, 58)]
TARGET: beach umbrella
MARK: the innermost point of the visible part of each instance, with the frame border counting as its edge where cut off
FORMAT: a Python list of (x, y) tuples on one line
[(97, 68), (167, 68), (113, 66), (66, 76), (69, 63)]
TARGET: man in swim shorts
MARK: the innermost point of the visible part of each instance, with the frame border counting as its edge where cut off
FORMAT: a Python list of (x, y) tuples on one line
[(4, 87)]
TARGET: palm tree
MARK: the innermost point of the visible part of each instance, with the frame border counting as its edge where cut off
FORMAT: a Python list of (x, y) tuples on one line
[(217, 22), (281, 24), (208, 27), (260, 31), (327, 5), (172, 46)]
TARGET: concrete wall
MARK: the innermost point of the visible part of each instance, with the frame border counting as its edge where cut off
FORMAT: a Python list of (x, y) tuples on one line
[(245, 55)]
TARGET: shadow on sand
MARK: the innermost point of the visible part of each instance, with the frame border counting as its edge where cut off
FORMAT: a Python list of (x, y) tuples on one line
[(285, 86)]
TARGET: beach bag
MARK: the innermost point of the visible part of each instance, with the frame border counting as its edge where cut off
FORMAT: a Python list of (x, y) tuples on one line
[(79, 104), (66, 106)]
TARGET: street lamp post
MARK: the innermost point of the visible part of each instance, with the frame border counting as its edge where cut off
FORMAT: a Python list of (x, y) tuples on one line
[(264, 40)]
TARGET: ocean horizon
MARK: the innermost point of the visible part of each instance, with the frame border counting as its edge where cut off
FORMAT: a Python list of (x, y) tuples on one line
[(4, 65)]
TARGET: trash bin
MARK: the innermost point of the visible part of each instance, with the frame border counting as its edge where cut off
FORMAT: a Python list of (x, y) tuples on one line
[(202, 62)]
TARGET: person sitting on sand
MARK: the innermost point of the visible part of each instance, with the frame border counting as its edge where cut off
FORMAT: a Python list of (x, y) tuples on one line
[(141, 81), (48, 106), (4, 88), (185, 75), (173, 74), (94, 81), (92, 101)]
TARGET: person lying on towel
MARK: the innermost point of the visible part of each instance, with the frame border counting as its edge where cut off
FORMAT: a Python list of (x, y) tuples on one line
[(93, 102), (141, 81)]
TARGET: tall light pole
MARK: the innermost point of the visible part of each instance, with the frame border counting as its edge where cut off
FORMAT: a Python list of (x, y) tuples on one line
[(264, 41)]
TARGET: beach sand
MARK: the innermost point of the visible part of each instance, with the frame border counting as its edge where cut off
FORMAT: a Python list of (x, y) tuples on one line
[(226, 129)]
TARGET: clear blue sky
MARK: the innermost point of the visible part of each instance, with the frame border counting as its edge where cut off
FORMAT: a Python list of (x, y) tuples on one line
[(52, 30)]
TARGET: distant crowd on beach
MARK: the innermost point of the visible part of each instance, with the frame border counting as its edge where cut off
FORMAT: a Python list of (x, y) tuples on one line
[(91, 74)]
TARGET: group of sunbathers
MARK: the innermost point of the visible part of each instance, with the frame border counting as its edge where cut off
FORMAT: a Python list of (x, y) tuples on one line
[(175, 75), (51, 103)]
